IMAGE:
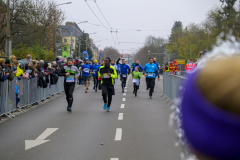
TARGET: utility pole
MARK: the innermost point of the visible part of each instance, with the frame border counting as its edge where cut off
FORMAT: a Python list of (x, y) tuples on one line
[(54, 35), (8, 53)]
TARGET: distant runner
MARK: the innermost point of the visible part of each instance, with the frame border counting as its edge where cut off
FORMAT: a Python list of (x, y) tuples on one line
[(95, 69), (125, 70), (136, 75), (86, 68)]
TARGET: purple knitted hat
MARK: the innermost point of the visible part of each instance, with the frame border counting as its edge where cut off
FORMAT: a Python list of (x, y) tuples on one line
[(207, 128)]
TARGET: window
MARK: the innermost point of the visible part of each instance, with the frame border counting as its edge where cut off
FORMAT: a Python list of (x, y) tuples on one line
[(65, 40), (65, 48)]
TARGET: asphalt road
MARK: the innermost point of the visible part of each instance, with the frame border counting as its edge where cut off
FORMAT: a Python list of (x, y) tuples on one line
[(90, 133)]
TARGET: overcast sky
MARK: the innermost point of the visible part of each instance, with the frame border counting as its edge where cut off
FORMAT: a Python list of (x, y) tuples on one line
[(152, 17)]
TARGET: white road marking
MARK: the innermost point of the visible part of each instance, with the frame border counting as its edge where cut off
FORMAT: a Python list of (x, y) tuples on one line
[(118, 136), (47, 133), (124, 99), (126, 87), (120, 116), (125, 90), (122, 105), (124, 94), (40, 139), (114, 159)]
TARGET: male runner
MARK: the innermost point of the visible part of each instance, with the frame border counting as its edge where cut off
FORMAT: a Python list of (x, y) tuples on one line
[(107, 74), (150, 69), (86, 73), (95, 69), (156, 73), (70, 73), (125, 70)]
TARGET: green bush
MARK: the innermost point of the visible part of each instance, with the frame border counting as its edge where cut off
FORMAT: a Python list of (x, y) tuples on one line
[(36, 51)]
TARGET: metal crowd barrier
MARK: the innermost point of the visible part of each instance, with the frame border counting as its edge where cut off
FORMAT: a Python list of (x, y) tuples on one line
[(171, 84), (28, 92)]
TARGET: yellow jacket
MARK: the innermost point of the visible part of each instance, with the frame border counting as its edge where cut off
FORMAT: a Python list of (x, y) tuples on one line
[(19, 72)]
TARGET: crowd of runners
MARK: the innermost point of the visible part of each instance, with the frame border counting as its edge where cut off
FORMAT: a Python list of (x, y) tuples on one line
[(104, 75)]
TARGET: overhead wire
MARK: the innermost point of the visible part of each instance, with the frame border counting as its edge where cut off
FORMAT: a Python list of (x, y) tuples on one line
[(96, 16), (102, 14)]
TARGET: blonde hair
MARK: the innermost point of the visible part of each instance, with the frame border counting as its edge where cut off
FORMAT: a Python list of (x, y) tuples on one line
[(219, 82), (200, 53)]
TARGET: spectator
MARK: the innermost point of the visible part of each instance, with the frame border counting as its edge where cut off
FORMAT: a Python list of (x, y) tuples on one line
[(3, 73), (19, 69), (8, 69), (210, 110)]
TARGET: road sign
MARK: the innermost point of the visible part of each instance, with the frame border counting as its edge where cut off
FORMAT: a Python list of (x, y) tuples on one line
[(180, 61)]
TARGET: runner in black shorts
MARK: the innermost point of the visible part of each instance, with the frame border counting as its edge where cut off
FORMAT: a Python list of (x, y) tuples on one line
[(86, 68)]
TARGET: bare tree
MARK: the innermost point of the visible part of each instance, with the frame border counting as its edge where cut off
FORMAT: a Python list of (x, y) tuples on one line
[(32, 23)]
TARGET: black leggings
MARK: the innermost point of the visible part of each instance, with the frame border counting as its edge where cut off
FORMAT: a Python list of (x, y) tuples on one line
[(107, 90), (124, 79), (69, 93), (95, 79), (150, 84)]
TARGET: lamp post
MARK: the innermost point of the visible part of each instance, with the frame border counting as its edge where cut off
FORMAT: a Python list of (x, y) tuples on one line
[(54, 33), (7, 50)]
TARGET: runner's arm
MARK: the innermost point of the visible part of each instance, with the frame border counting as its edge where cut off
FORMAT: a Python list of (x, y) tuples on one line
[(114, 74), (62, 72), (117, 62), (156, 68), (77, 73)]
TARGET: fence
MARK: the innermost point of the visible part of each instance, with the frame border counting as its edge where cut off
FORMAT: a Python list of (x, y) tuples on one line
[(28, 92), (171, 84)]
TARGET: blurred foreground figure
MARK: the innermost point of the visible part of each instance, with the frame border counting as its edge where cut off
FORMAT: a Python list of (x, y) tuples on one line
[(210, 110)]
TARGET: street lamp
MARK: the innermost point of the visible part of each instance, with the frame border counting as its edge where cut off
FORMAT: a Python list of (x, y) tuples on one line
[(54, 42), (82, 22), (63, 4), (93, 33)]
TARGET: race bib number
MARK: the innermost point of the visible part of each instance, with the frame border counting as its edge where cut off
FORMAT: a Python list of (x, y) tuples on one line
[(105, 75), (150, 74), (94, 71), (86, 70), (124, 75), (70, 78)]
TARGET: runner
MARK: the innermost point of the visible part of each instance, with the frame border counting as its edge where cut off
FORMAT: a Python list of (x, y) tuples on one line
[(86, 73), (95, 68), (156, 73), (151, 69), (136, 75), (116, 68), (70, 73), (107, 73), (137, 65), (125, 70)]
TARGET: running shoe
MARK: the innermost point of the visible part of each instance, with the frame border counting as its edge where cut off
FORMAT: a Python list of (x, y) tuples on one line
[(108, 109), (93, 87), (150, 97), (96, 90), (85, 91), (105, 106), (69, 109), (123, 91)]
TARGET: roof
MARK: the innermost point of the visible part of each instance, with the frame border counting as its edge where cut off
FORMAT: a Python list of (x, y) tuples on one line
[(69, 30)]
